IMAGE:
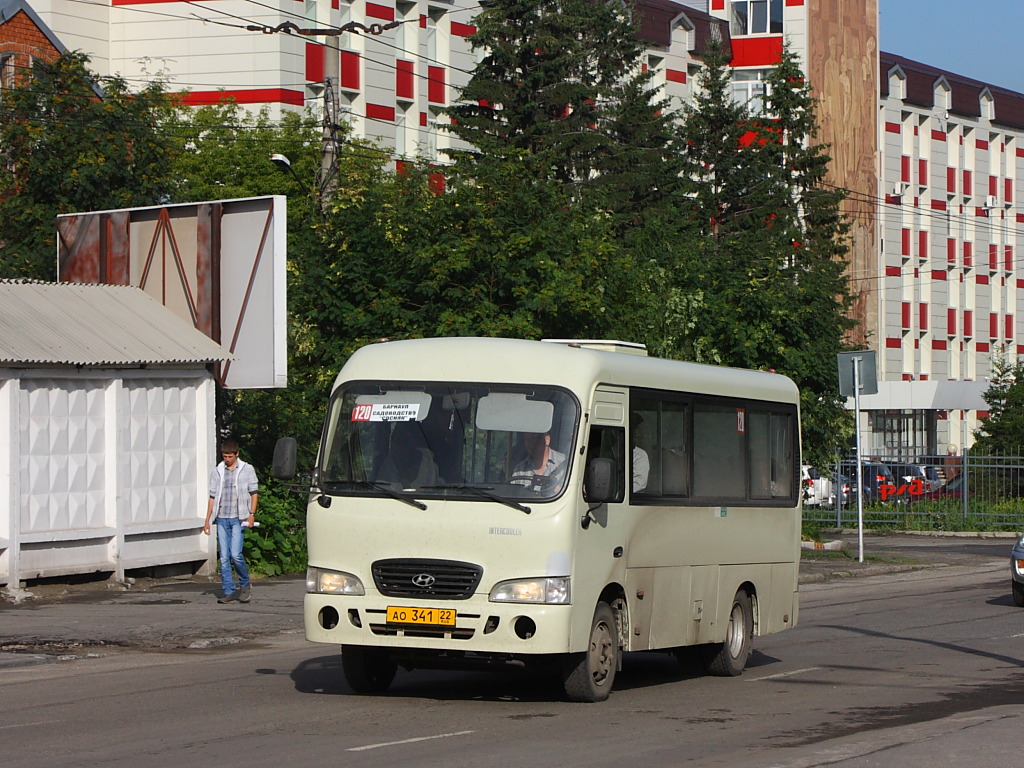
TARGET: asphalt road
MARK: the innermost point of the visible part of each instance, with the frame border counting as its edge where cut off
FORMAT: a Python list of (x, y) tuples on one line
[(910, 668)]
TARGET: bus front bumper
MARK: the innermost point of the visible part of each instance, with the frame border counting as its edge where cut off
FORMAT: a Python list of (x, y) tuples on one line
[(480, 626)]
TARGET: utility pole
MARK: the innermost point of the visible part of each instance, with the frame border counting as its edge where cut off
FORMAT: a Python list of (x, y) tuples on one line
[(329, 150)]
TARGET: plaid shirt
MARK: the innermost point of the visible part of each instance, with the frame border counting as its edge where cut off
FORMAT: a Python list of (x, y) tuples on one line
[(231, 490), (228, 501)]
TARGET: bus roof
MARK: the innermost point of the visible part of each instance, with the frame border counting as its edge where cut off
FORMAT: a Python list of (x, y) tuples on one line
[(561, 363)]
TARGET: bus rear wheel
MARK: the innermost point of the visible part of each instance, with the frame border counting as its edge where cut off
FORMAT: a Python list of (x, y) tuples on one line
[(589, 676), (367, 669), (729, 658)]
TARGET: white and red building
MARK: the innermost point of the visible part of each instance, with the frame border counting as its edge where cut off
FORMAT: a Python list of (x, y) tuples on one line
[(933, 161)]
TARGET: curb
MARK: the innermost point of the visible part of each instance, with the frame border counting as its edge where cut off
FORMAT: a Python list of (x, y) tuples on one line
[(831, 546), (934, 534), (871, 570)]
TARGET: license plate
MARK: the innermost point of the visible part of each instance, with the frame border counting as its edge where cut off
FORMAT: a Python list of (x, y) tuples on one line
[(438, 617)]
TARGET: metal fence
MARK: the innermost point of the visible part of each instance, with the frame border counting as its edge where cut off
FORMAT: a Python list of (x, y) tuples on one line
[(968, 492)]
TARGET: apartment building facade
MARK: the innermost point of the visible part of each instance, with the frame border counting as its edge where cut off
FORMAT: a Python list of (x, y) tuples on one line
[(933, 161), (952, 230)]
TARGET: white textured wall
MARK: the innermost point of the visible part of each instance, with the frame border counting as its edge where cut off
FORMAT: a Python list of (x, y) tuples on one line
[(103, 471)]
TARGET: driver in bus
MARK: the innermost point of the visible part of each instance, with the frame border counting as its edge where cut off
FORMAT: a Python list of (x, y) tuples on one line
[(543, 469)]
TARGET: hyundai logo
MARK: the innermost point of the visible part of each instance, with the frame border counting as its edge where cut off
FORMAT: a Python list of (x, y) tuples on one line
[(423, 580)]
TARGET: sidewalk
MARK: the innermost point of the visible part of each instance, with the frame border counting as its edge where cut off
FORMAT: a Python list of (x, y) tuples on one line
[(67, 621), (75, 621)]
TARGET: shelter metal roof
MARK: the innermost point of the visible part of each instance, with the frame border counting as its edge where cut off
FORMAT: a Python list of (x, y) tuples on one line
[(95, 325)]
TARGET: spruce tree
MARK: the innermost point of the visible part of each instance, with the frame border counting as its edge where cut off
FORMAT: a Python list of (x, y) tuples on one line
[(1002, 430), (561, 82), (765, 287)]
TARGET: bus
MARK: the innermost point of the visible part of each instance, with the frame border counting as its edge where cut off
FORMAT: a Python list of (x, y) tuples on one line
[(550, 504)]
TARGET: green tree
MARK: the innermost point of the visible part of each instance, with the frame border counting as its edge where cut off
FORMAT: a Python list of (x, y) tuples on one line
[(1002, 431), (765, 287), (225, 153), (809, 219), (560, 86), (539, 89), (73, 141)]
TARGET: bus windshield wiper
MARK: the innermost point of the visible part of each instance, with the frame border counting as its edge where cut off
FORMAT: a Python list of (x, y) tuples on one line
[(384, 488), (486, 493)]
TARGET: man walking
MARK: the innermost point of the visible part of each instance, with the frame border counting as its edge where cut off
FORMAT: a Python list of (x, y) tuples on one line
[(233, 499)]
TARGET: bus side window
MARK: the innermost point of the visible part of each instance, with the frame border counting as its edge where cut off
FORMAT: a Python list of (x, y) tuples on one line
[(770, 446), (783, 451)]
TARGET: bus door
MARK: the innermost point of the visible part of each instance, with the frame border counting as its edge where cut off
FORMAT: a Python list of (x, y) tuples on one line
[(604, 534)]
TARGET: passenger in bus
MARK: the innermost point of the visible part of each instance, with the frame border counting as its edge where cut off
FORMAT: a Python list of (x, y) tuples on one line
[(543, 469), (641, 461)]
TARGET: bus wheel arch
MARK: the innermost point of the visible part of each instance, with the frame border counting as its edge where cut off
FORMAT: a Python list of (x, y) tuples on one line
[(728, 658)]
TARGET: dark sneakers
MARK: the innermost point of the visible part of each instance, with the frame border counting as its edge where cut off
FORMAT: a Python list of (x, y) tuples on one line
[(231, 598), (243, 595)]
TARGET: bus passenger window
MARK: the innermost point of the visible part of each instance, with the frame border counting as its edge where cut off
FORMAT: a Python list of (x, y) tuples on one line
[(760, 459), (770, 458), (659, 433), (783, 452), (719, 456)]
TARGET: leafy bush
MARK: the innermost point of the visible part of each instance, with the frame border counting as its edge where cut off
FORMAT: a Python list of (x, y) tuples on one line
[(279, 544)]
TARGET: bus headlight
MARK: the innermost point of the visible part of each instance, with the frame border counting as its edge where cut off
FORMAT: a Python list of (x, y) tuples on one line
[(553, 591), (322, 581)]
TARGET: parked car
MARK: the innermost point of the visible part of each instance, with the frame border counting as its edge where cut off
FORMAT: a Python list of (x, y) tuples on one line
[(1017, 572), (954, 489), (915, 477), (876, 477), (844, 492), (816, 486), (935, 476)]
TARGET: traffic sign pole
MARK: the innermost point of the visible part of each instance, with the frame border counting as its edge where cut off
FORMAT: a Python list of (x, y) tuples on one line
[(860, 464)]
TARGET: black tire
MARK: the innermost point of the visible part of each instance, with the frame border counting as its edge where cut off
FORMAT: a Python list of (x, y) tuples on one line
[(1018, 594), (729, 658), (589, 676), (367, 669)]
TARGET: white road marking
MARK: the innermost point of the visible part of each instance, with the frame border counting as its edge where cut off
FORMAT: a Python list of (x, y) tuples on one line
[(27, 725), (783, 674), (408, 741)]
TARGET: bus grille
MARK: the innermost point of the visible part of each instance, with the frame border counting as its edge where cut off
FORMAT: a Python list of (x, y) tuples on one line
[(430, 579)]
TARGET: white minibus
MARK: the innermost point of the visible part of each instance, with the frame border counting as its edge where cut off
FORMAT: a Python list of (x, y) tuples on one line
[(548, 503)]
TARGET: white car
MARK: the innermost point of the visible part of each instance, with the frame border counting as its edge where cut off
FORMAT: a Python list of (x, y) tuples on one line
[(817, 487)]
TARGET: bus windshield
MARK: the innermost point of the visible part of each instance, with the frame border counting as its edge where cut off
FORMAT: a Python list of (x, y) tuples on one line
[(460, 441)]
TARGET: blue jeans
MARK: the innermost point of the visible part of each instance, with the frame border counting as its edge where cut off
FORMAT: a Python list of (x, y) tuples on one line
[(230, 537)]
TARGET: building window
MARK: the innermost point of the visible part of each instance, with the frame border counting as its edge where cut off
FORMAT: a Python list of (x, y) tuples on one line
[(756, 17), (748, 88), (6, 71)]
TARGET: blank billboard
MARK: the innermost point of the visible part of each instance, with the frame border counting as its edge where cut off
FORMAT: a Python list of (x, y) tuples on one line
[(220, 265)]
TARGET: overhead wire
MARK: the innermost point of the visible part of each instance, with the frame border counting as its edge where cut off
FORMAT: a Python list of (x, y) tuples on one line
[(878, 203)]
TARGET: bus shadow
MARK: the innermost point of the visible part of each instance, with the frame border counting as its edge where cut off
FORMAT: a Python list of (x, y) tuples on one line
[(323, 675)]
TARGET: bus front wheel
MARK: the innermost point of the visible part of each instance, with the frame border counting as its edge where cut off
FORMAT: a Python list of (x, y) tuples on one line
[(589, 676), (367, 669), (729, 658)]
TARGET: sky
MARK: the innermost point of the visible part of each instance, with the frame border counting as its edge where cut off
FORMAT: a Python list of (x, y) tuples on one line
[(980, 39)]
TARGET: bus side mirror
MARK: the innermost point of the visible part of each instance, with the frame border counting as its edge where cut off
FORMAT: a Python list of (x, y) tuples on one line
[(284, 458), (600, 484)]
